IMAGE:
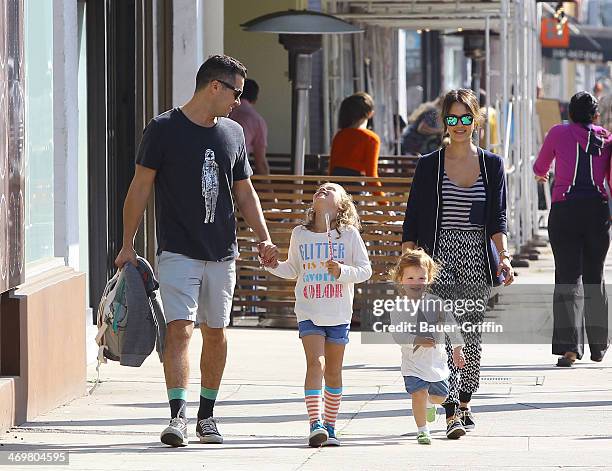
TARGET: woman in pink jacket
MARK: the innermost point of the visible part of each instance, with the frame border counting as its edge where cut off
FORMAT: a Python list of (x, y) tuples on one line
[(578, 228)]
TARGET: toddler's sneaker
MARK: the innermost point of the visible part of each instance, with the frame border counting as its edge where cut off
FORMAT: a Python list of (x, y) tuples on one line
[(454, 428), (431, 413), (423, 438), (332, 440), (318, 434)]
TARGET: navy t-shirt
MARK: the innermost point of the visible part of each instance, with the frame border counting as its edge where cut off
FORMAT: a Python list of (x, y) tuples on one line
[(196, 168)]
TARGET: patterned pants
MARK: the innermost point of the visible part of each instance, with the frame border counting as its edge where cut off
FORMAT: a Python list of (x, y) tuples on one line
[(463, 279)]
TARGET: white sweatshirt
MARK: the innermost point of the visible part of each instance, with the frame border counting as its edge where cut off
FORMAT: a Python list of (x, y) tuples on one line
[(427, 363), (319, 296)]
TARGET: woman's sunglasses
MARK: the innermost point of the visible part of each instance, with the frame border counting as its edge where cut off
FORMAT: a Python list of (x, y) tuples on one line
[(237, 91), (453, 120)]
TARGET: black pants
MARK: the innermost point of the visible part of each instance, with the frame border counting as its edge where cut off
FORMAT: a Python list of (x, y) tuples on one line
[(579, 236)]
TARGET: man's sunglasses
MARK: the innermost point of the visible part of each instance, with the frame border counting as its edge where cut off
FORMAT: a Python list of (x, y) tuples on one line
[(453, 120), (237, 91)]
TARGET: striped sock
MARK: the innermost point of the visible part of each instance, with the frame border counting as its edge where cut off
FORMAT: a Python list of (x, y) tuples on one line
[(332, 399), (178, 402), (313, 404)]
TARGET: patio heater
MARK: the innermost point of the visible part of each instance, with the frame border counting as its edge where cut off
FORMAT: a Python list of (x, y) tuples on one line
[(301, 33), (474, 49)]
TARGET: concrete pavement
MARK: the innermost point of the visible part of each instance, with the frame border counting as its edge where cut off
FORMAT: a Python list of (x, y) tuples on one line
[(530, 414)]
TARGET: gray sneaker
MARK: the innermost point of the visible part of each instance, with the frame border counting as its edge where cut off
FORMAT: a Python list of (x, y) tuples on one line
[(175, 434), (207, 431)]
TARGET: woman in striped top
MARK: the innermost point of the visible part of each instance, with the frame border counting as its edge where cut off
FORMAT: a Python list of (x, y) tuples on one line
[(465, 232)]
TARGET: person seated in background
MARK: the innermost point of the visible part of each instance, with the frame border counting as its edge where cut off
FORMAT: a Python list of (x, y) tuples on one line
[(355, 148), (424, 132), (398, 129), (254, 126)]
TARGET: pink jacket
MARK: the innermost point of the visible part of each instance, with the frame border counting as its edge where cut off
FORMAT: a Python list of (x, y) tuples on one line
[(564, 144)]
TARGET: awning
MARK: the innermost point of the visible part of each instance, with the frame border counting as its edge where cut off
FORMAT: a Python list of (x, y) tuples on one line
[(590, 44)]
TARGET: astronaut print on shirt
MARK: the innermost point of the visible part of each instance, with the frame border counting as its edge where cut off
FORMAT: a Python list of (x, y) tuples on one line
[(210, 185), (318, 283)]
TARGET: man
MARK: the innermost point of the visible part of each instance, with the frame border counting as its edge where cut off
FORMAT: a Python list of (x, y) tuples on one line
[(196, 157), (255, 128), (598, 90)]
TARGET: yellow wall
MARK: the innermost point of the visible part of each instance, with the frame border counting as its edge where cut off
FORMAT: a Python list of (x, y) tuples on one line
[(267, 64)]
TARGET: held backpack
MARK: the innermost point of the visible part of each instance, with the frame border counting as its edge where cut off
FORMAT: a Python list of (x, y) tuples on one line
[(130, 319)]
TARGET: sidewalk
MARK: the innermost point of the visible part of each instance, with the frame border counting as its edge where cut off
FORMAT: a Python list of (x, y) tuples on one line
[(530, 414)]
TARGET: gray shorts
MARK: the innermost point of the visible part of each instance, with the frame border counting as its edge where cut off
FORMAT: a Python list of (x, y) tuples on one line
[(196, 290)]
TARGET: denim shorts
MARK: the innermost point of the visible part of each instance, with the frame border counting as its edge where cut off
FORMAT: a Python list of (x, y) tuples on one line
[(332, 333), (414, 384)]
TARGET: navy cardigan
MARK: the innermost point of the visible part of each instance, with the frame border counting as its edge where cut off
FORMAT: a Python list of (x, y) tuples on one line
[(424, 216)]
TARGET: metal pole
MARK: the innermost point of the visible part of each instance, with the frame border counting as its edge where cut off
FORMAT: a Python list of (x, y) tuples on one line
[(487, 80), (526, 119), (515, 148), (504, 70), (326, 102), (301, 84), (341, 63), (531, 83), (335, 74)]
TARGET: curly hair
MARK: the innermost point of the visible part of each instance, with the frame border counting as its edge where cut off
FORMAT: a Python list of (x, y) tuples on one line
[(346, 215), (414, 258)]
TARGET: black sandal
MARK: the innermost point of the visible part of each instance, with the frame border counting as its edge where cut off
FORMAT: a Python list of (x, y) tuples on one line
[(565, 362)]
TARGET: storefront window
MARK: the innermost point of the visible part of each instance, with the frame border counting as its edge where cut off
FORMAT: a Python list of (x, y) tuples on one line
[(39, 129), (414, 71)]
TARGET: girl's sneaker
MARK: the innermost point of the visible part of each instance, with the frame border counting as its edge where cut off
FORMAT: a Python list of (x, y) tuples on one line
[(423, 438), (332, 440), (431, 413), (318, 434)]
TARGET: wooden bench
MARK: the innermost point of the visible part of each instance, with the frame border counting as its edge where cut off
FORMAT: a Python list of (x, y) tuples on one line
[(318, 164), (263, 299), (280, 164), (388, 165)]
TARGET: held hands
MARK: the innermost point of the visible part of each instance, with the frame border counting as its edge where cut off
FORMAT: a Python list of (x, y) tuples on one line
[(458, 357), (333, 268), (127, 254), (268, 253)]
